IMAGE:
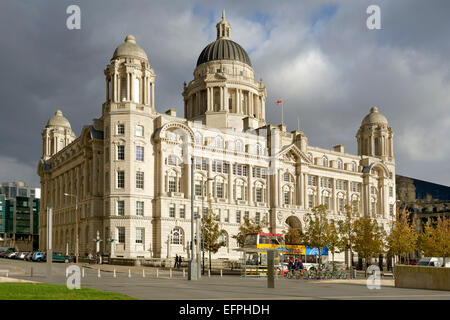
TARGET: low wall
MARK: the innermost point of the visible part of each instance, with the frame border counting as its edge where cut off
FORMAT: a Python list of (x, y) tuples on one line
[(433, 278)]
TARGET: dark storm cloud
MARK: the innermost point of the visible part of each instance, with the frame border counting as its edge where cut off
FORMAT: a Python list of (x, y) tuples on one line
[(316, 55)]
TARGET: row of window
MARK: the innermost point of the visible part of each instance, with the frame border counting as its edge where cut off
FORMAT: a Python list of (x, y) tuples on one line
[(120, 180), (219, 143), (139, 239), (120, 153), (221, 215), (120, 130), (120, 208)]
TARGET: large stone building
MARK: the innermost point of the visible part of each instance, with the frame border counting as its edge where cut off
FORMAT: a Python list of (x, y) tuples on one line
[(129, 173)]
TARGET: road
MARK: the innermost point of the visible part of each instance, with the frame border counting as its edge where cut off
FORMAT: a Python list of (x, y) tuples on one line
[(227, 287)]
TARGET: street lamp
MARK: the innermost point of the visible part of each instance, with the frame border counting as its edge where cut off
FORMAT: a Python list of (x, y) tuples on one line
[(76, 224), (193, 264), (203, 223)]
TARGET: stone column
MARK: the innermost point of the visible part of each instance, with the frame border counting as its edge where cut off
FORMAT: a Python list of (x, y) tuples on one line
[(225, 99), (153, 95), (187, 182), (298, 189), (230, 183), (250, 104), (221, 99), (250, 185), (162, 189)]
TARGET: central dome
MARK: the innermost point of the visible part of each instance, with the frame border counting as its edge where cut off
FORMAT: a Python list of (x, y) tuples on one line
[(223, 49)]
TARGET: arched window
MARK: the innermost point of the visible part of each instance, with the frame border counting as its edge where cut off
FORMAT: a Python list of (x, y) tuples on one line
[(176, 236), (325, 161), (286, 177), (219, 142), (198, 138), (223, 238), (239, 146)]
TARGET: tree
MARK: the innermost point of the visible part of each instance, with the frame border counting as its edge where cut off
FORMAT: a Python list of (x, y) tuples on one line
[(369, 238), (333, 240), (249, 226), (435, 240), (346, 229), (293, 236), (211, 234), (402, 239), (316, 229)]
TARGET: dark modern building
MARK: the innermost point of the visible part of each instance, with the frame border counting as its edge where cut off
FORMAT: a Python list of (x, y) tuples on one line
[(19, 216)]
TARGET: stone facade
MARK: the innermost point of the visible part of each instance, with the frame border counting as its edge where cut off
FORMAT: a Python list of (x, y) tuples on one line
[(128, 175)]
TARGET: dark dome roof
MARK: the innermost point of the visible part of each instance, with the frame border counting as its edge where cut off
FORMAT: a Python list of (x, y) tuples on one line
[(223, 49)]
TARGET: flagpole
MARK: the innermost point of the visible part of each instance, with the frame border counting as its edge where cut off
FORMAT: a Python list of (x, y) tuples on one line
[(282, 112)]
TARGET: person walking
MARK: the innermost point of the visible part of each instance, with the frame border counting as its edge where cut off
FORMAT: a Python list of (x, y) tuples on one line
[(180, 260), (176, 262)]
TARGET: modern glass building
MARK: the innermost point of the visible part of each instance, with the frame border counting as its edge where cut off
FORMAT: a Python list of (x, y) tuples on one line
[(19, 216)]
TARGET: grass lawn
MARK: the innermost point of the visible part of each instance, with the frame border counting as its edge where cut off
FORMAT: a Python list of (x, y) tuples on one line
[(44, 291)]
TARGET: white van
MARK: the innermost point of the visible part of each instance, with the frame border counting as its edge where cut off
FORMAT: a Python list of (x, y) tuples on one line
[(434, 262)]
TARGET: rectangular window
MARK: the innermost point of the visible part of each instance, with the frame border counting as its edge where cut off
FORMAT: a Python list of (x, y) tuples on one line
[(182, 211), (391, 209), (286, 197), (247, 215), (391, 192), (227, 215), (120, 129), (172, 184), (120, 152), (204, 165), (239, 192), (121, 234), (139, 235), (238, 216), (139, 208), (219, 190), (326, 201), (217, 214), (259, 195), (172, 210), (139, 180), (244, 171), (198, 188), (258, 217), (341, 204), (120, 208), (139, 131), (120, 179), (310, 201), (139, 153)]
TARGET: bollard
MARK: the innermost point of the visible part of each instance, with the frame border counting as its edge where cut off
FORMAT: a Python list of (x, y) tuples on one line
[(209, 273), (114, 273), (170, 273), (98, 273), (143, 273), (220, 272), (129, 273), (157, 273), (82, 272), (184, 273)]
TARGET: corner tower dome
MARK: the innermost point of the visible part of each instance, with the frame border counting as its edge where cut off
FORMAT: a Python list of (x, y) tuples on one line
[(58, 120), (129, 49), (223, 48), (374, 117)]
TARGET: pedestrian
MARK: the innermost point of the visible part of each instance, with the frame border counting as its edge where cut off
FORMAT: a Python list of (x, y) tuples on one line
[(176, 262), (290, 264), (300, 264), (90, 258), (180, 260)]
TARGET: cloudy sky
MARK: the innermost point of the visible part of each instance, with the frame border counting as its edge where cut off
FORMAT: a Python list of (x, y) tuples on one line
[(318, 56)]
